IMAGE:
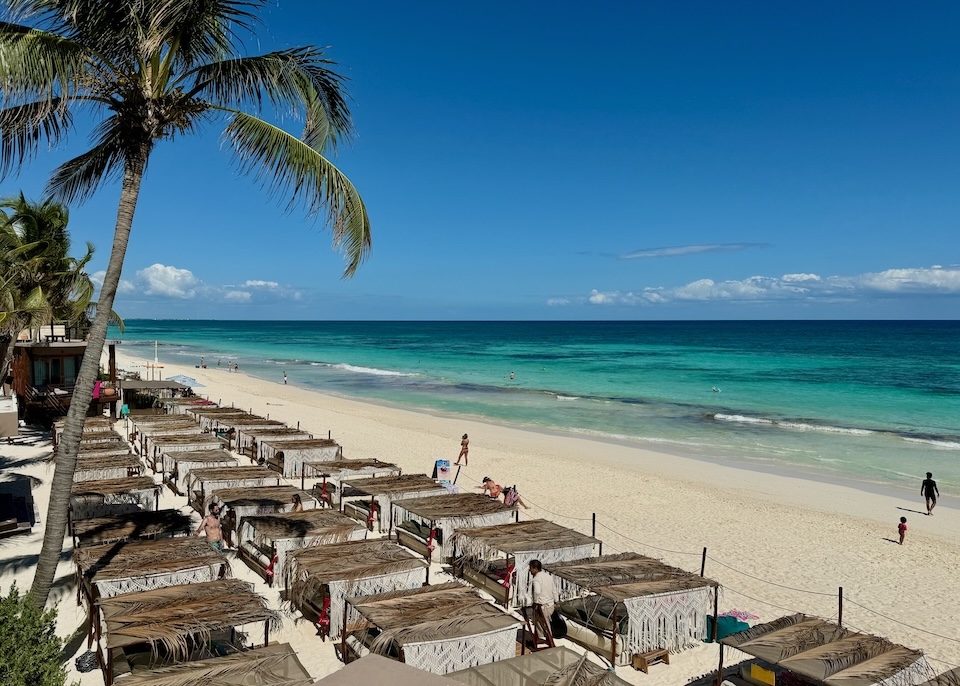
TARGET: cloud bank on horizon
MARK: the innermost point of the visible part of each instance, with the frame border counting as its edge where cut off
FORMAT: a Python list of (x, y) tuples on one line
[(904, 282)]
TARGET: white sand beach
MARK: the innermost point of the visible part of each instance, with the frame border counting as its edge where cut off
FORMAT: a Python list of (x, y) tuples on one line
[(777, 543)]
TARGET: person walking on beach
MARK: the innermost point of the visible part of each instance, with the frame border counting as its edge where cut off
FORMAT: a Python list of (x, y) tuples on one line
[(284, 378), (902, 529), (211, 525), (543, 595), (464, 449), (929, 490)]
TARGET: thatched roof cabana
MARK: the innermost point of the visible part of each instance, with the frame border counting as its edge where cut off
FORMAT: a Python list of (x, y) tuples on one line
[(201, 482), (371, 498), (98, 436), (951, 678), (91, 425), (333, 472), (551, 667), (101, 497), (112, 466), (272, 665), (289, 456), (665, 607), (141, 524), (246, 501), (425, 524), (120, 447), (438, 629), (320, 578), (826, 653), (497, 558), (179, 405), (265, 540), (373, 669), (209, 418), (176, 620), (171, 443), (180, 464), (249, 440)]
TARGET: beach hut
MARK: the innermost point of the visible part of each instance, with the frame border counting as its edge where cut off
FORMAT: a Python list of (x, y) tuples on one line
[(111, 466), (178, 465), (97, 436), (333, 473), (206, 416), (322, 577), (427, 525), (558, 666), (827, 654), (147, 422), (373, 669), (369, 499), (496, 559), (155, 628), (232, 426), (200, 483), (272, 665), (624, 605), (288, 456), (107, 570), (142, 524), (91, 425), (178, 443), (178, 406), (246, 501), (265, 540), (248, 440), (101, 497), (120, 447), (438, 629), (181, 427)]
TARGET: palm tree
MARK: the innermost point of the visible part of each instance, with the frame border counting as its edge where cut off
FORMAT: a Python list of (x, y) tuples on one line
[(151, 70), (42, 283)]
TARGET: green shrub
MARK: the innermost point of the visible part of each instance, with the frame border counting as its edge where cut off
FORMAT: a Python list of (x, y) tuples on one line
[(30, 650)]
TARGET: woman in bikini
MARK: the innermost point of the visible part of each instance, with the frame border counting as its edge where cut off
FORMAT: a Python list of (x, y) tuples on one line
[(464, 449)]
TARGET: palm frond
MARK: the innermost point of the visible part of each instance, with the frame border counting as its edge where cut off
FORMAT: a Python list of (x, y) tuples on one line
[(23, 128), (203, 30), (78, 179), (37, 65), (287, 165)]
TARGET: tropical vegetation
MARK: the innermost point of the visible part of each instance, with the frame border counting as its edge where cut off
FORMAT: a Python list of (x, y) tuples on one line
[(30, 650), (149, 71)]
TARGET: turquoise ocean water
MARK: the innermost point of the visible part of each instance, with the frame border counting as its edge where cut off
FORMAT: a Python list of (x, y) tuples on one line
[(872, 401)]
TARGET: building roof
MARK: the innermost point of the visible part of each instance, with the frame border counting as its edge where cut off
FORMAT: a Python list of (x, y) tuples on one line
[(139, 385), (453, 505), (384, 485), (532, 535), (558, 666), (272, 665), (373, 670)]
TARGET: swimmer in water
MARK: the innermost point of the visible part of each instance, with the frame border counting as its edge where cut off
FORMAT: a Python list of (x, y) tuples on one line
[(715, 389)]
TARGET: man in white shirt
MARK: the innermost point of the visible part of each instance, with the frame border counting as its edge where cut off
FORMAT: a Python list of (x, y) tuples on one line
[(544, 594)]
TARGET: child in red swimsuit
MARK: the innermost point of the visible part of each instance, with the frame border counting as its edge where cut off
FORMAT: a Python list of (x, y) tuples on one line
[(902, 528)]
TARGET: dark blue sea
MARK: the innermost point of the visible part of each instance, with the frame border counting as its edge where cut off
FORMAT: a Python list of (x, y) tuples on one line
[(872, 401)]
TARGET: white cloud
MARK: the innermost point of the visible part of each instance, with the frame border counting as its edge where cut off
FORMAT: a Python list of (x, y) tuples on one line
[(123, 287), (238, 296), (172, 282), (558, 302), (256, 283), (696, 249), (796, 287)]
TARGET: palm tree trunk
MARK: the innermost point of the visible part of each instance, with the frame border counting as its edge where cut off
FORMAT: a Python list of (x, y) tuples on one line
[(69, 446)]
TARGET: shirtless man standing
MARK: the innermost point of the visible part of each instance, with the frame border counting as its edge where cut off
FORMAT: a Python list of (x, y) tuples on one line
[(211, 525)]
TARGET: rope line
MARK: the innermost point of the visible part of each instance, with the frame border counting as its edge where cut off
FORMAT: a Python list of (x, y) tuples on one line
[(772, 583), (627, 538), (897, 621)]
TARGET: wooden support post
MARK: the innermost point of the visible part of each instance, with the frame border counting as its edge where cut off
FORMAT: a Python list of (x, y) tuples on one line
[(703, 561), (716, 610), (840, 610), (593, 529), (720, 667), (613, 641)]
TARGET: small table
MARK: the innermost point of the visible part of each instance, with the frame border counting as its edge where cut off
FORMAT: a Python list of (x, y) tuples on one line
[(642, 661)]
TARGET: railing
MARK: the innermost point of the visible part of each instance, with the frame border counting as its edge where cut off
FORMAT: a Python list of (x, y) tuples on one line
[(55, 332), (48, 400)]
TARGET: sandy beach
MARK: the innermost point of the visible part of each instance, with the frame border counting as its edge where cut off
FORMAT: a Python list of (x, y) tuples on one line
[(777, 543)]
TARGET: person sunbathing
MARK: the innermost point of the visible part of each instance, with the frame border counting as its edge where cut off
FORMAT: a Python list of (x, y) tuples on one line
[(491, 488)]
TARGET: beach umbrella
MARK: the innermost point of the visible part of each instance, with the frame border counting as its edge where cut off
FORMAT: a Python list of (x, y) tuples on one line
[(185, 380)]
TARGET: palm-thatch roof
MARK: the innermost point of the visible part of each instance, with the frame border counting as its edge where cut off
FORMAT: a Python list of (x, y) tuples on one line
[(430, 613), (827, 653), (264, 496), (558, 666), (335, 467), (145, 558), (454, 505), (98, 435), (307, 444), (951, 678), (314, 567), (627, 575), (386, 485), (277, 433), (309, 523), (168, 617), (122, 527), (175, 421), (207, 474), (113, 486), (87, 462), (248, 422), (120, 447), (530, 536), (211, 411), (272, 665), (374, 670), (211, 455), (201, 440), (90, 423)]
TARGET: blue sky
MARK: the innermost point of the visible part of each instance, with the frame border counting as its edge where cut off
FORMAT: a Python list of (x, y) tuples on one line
[(565, 161)]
